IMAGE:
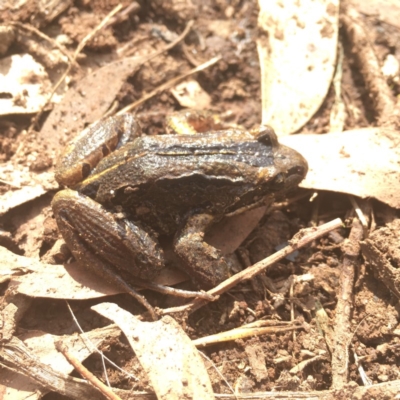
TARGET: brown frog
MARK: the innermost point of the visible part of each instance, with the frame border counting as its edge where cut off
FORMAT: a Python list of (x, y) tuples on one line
[(175, 184)]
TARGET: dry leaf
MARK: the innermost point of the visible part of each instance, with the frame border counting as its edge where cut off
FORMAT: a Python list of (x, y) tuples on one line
[(230, 233), (172, 363), (61, 282), (26, 185), (362, 162), (297, 58)]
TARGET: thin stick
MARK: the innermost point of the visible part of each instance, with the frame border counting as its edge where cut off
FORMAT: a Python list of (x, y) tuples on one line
[(85, 373), (302, 238), (241, 333), (142, 283), (168, 84), (360, 215)]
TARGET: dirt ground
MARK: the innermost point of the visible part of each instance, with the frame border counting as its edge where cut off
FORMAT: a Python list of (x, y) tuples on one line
[(299, 359)]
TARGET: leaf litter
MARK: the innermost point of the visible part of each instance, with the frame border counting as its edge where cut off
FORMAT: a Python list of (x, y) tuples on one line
[(341, 162)]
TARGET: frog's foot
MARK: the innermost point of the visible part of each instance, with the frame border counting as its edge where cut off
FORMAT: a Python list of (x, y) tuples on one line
[(91, 233), (205, 263)]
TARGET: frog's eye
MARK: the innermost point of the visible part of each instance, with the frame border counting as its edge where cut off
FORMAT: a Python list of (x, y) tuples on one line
[(265, 135)]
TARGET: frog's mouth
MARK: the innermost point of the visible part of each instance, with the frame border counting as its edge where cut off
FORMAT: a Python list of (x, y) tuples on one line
[(293, 168), (294, 176)]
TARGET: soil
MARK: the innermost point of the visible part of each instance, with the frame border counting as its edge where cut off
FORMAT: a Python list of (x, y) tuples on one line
[(256, 364)]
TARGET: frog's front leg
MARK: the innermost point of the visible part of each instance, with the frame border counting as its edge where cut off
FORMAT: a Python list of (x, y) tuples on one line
[(102, 243), (205, 263)]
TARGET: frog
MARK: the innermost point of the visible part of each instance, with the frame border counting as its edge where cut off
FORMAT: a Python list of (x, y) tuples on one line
[(124, 189)]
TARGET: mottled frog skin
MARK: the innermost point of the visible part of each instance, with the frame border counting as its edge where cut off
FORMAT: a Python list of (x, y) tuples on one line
[(175, 184)]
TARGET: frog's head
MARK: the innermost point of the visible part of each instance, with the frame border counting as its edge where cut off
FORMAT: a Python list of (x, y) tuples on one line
[(290, 167)]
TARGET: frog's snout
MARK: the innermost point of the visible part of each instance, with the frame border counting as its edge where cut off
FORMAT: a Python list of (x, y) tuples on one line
[(292, 165)]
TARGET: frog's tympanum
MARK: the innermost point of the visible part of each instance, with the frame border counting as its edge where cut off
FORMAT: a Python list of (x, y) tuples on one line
[(174, 184)]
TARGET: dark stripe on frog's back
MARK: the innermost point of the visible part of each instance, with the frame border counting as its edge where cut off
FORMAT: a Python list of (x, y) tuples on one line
[(151, 168), (235, 145), (229, 145), (229, 155)]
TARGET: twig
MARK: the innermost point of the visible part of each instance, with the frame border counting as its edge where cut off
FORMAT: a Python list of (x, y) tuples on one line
[(340, 356), (291, 302), (301, 239), (170, 45), (368, 63), (360, 215), (133, 292), (243, 332), (303, 364), (85, 373), (132, 8), (188, 294), (363, 375), (168, 84), (324, 325)]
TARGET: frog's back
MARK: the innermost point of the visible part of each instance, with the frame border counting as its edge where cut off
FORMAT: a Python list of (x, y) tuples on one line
[(159, 180)]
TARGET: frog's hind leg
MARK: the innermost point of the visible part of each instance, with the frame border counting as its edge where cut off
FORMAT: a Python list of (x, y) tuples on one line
[(104, 245), (94, 143), (205, 263)]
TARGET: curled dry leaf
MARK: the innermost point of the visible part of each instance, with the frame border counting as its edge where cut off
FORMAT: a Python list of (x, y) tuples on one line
[(363, 162), (230, 233), (190, 94), (297, 58), (24, 85), (172, 363), (26, 185)]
